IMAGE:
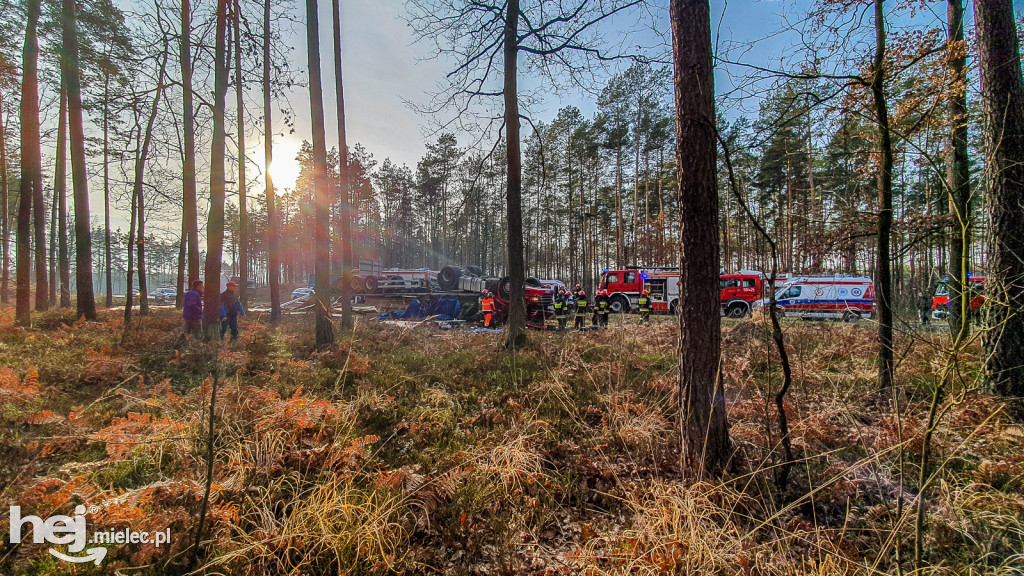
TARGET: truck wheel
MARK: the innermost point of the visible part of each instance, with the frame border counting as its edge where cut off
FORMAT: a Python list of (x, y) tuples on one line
[(780, 313), (673, 307), (475, 270), (850, 316), (736, 310), (619, 304), (531, 281), (370, 284), (448, 277), (504, 288)]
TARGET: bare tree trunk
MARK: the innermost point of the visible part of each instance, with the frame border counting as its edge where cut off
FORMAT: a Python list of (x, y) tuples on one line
[(273, 224), (215, 220), (883, 265), (321, 193), (958, 172), (31, 177), (61, 192), (79, 177), (129, 278), (347, 262), (180, 282), (189, 198), (5, 274), (140, 170), (516, 335), (108, 260), (39, 234), (52, 295), (243, 214), (704, 432), (1002, 91)]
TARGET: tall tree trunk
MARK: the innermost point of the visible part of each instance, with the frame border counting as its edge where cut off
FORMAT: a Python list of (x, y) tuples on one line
[(31, 170), (5, 273), (79, 177), (107, 256), (39, 234), (620, 233), (273, 223), (1002, 91), (883, 265), (516, 335), (52, 295), (958, 172), (215, 220), (347, 262), (243, 214), (129, 295), (180, 282), (321, 193), (140, 171), (189, 198), (60, 190), (703, 428)]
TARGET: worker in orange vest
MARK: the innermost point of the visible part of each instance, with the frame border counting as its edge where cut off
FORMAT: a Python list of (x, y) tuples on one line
[(487, 307)]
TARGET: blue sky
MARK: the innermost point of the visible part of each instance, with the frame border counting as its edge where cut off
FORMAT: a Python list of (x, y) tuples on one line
[(383, 68)]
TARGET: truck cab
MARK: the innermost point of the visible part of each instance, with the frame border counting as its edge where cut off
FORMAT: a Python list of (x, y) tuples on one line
[(940, 297), (739, 291)]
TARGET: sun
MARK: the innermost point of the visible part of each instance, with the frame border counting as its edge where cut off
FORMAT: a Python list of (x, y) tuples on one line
[(285, 169)]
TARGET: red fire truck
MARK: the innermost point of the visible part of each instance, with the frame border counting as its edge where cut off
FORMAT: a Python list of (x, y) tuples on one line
[(940, 301), (737, 291)]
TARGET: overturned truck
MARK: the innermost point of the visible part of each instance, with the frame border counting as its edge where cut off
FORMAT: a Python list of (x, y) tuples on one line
[(464, 284)]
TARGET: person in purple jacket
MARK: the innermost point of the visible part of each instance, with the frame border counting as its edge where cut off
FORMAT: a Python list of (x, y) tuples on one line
[(193, 310)]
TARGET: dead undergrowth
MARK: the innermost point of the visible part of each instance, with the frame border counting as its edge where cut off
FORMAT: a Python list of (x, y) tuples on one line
[(425, 452)]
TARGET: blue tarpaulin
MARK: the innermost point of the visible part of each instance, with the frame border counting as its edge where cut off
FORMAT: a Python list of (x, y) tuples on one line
[(444, 309)]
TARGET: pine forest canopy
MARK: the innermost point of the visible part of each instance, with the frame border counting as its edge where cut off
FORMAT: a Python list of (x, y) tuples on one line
[(598, 162)]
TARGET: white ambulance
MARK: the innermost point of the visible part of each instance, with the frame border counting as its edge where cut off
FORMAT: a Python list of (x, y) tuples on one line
[(846, 298)]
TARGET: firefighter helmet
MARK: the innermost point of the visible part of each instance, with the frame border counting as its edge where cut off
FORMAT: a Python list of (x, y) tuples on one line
[(485, 293)]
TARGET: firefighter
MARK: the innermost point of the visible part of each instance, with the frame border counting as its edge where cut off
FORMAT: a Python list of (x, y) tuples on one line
[(644, 305), (602, 309), (487, 307), (581, 308), (561, 308)]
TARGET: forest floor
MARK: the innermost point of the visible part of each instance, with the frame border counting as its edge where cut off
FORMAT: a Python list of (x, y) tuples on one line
[(417, 451)]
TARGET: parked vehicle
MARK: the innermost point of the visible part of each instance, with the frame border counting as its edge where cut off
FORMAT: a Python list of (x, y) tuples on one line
[(624, 287), (845, 298), (737, 292), (940, 298), (165, 294)]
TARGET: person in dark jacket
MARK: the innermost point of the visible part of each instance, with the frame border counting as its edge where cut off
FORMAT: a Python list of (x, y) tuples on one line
[(924, 307), (561, 306), (192, 311), (581, 308), (602, 308), (644, 304), (230, 308)]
